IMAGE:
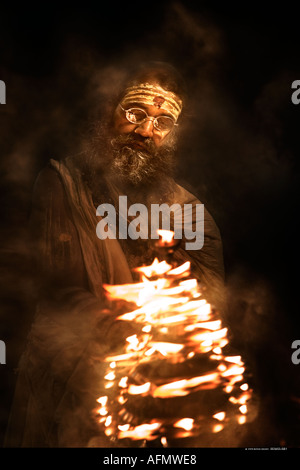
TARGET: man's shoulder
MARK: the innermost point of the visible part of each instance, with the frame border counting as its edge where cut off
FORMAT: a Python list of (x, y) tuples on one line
[(48, 182), (184, 196)]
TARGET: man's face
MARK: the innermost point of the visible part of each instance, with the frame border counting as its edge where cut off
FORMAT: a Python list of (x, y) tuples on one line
[(146, 129), (141, 152)]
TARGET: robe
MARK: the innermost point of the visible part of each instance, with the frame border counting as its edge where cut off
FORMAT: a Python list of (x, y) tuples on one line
[(60, 371)]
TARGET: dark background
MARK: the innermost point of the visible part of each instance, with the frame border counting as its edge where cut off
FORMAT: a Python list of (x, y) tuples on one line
[(239, 152)]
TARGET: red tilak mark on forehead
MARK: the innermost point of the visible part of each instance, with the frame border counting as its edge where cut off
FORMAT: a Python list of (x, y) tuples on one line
[(158, 101)]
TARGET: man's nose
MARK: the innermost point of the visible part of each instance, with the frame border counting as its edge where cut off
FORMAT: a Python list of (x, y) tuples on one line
[(145, 129)]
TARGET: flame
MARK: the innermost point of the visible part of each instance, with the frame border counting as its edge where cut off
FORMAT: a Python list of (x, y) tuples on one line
[(102, 400), (155, 269), (220, 416), (167, 348), (102, 411), (244, 387), (139, 389), (178, 325), (185, 423), (167, 236), (183, 269), (124, 427), (181, 387), (217, 428), (213, 325), (123, 382), (144, 431), (110, 376), (242, 419), (233, 371), (209, 336), (234, 359)]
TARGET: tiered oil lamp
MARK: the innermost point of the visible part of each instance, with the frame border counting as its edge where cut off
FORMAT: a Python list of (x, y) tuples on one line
[(176, 383)]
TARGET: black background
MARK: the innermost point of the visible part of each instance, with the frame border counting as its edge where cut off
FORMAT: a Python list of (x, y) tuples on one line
[(239, 152)]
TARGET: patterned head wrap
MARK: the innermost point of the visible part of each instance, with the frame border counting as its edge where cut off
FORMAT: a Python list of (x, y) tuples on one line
[(153, 95)]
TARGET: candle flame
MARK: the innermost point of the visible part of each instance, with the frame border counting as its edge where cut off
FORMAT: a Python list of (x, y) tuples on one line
[(178, 327)]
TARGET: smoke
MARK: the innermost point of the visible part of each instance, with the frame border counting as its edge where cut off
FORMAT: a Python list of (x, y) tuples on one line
[(233, 153)]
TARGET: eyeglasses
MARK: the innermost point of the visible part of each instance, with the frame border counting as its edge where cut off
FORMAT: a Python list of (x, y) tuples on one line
[(138, 116)]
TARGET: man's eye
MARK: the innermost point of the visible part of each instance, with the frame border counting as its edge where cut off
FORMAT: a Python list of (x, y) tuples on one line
[(131, 117), (136, 115)]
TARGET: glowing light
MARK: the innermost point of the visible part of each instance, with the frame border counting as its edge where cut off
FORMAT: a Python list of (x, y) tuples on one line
[(124, 427), (217, 350), (102, 400), (211, 336), (220, 416), (109, 385), (234, 370), (110, 376), (181, 387), (242, 419), (139, 389), (156, 268), (176, 325), (185, 423), (217, 428), (143, 431), (167, 348), (147, 328), (102, 411), (166, 235), (234, 359), (121, 400), (243, 409), (108, 421), (123, 382), (244, 387), (180, 270)]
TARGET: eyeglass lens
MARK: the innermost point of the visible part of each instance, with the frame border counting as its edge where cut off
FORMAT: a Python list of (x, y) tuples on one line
[(137, 116)]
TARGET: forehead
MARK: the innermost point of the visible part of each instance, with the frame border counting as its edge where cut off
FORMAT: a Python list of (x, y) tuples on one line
[(146, 98), (151, 110), (152, 96)]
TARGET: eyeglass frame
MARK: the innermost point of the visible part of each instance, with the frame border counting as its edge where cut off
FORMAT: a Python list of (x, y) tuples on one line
[(152, 118)]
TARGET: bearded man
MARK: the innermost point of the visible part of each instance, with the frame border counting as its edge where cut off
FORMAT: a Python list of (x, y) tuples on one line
[(131, 154)]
